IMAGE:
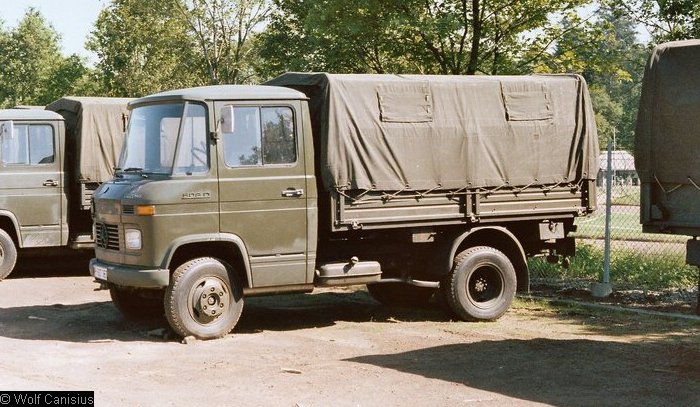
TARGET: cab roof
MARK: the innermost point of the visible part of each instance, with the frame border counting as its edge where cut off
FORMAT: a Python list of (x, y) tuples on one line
[(28, 114), (223, 92)]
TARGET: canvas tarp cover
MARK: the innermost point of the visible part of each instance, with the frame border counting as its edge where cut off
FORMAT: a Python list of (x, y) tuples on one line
[(94, 134), (668, 123), (414, 132)]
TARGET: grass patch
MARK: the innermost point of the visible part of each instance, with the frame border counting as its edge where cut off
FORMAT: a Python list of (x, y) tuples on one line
[(625, 195), (627, 268), (623, 226)]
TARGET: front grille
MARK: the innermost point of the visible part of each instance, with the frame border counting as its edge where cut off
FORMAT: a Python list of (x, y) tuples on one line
[(128, 209), (107, 236)]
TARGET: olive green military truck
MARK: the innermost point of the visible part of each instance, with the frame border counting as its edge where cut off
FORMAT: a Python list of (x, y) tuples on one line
[(51, 161), (413, 185), (667, 133)]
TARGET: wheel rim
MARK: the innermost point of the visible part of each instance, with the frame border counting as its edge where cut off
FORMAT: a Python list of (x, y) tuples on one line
[(208, 300), (485, 286)]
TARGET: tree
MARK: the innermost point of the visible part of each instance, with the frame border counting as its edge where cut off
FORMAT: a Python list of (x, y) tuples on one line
[(421, 36), (144, 47), (666, 20), (33, 71), (222, 30), (606, 52)]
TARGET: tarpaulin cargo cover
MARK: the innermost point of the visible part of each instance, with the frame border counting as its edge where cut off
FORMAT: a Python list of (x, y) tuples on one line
[(667, 134), (94, 132), (669, 113), (417, 132)]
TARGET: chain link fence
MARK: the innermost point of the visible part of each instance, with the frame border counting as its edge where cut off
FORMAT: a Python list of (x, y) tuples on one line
[(638, 261)]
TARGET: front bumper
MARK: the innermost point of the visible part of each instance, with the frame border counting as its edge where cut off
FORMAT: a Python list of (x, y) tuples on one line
[(124, 276)]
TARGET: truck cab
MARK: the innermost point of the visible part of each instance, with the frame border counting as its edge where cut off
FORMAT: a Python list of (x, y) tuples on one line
[(220, 174)]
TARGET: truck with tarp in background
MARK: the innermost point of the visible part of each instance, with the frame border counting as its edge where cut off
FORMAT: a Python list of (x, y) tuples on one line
[(51, 162), (666, 141)]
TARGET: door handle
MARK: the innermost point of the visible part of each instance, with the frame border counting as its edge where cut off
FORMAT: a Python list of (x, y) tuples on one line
[(292, 193), (50, 183)]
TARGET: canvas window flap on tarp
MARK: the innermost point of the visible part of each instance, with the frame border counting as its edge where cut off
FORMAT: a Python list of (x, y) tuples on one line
[(667, 122), (405, 102), (94, 134), (468, 142), (527, 101)]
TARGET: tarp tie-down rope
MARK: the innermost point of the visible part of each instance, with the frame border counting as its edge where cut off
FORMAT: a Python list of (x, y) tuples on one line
[(519, 190), (423, 194), (672, 189), (694, 184), (357, 200)]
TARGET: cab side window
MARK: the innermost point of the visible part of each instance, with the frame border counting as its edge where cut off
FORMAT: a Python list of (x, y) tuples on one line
[(29, 144), (261, 136)]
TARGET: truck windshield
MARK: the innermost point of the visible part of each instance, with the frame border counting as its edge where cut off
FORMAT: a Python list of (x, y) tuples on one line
[(166, 139)]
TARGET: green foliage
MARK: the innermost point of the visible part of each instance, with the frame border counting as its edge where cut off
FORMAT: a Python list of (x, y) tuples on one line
[(628, 268), (408, 36), (666, 20), (606, 52), (143, 47), (33, 71), (149, 46), (222, 31)]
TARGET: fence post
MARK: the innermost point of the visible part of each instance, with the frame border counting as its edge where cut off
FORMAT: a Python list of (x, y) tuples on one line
[(604, 288)]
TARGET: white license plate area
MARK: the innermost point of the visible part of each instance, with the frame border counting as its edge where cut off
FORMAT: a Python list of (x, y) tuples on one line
[(100, 273)]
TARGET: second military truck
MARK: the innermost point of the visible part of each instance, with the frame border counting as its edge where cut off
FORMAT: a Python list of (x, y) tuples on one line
[(51, 161), (413, 185), (668, 128)]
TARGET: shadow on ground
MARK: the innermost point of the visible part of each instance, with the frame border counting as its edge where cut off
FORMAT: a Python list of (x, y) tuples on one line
[(87, 322), (101, 321), (560, 372), (39, 265), (301, 311)]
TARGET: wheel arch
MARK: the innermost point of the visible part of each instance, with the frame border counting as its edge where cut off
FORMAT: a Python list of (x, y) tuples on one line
[(227, 247), (501, 239), (8, 223)]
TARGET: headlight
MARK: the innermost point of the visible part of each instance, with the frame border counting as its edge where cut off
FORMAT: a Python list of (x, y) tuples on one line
[(132, 239)]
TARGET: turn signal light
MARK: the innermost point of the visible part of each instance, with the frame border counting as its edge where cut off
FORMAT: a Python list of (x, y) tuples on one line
[(145, 210)]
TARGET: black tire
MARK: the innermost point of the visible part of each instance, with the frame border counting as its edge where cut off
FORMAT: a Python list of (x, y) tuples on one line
[(204, 299), (8, 254), (481, 285), (137, 304), (400, 294)]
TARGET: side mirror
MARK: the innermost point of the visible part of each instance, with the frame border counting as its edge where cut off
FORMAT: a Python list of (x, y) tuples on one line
[(7, 130), (227, 119)]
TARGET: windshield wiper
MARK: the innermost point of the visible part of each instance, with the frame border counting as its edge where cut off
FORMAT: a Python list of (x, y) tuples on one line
[(133, 169)]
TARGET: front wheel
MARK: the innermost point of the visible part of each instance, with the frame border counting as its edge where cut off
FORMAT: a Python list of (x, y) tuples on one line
[(481, 284), (8, 254), (203, 299)]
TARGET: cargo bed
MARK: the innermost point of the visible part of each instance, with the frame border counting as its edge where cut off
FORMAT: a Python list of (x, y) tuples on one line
[(380, 210)]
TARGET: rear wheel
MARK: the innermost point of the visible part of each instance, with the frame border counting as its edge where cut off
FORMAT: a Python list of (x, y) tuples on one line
[(204, 299), (137, 304), (400, 294), (8, 254), (481, 284)]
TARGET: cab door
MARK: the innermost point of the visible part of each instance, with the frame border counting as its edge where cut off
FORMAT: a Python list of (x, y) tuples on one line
[(31, 181), (262, 188)]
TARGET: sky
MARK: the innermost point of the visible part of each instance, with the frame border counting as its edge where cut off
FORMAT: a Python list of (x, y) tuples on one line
[(72, 19)]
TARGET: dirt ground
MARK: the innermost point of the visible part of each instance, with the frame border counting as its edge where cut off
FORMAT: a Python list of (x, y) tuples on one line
[(340, 348)]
